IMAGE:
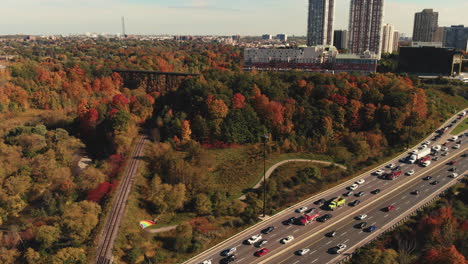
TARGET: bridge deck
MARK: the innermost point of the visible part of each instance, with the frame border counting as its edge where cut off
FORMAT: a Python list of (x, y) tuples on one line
[(155, 72)]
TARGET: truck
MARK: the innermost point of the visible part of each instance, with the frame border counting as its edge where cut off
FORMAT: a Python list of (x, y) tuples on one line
[(306, 219), (336, 203), (422, 153)]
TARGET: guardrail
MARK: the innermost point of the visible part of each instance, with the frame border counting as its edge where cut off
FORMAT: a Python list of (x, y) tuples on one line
[(402, 219)]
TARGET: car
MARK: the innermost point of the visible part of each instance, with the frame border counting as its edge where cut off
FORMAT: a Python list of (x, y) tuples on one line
[(268, 230), (370, 229), (453, 175), (424, 146), (340, 247), (361, 181), (289, 221), (376, 191), (426, 163), (355, 202), (453, 169), (260, 244), (411, 172), (320, 202), (391, 165), (436, 147), (331, 234), (390, 208), (353, 187), (435, 153), (415, 192), (445, 153), (261, 252), (454, 138), (229, 259), (361, 216), (415, 151), (379, 172), (396, 168), (302, 252), (427, 178), (427, 142), (435, 182), (310, 210), (254, 239), (361, 225), (348, 193), (457, 146), (287, 239), (301, 210), (359, 194), (229, 251), (464, 155), (324, 218), (206, 262), (453, 162), (435, 159), (444, 148)]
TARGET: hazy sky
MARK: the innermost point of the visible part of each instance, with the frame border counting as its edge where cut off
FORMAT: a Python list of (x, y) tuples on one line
[(221, 17)]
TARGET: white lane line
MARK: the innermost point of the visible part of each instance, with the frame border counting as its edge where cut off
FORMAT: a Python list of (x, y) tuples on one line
[(373, 223), (386, 183), (328, 243), (314, 260), (313, 252), (360, 232), (295, 231), (239, 245), (296, 262), (398, 208), (370, 217), (404, 197), (407, 202), (346, 240), (344, 233), (240, 259), (288, 227), (386, 215), (273, 235)]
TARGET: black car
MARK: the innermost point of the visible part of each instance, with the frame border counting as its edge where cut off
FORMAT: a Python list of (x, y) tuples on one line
[(331, 234), (324, 218), (361, 225), (435, 159), (376, 191), (435, 182), (310, 210), (415, 192), (320, 202), (359, 194), (229, 259), (453, 169), (427, 178), (289, 221), (355, 202), (268, 230), (464, 155)]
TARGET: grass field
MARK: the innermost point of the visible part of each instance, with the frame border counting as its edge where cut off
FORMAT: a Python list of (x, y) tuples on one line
[(461, 127)]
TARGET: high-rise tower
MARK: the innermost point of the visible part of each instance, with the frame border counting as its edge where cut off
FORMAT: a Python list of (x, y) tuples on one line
[(425, 26), (387, 38), (365, 26), (320, 22)]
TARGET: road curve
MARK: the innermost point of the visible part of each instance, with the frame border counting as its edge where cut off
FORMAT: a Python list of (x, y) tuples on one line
[(111, 228)]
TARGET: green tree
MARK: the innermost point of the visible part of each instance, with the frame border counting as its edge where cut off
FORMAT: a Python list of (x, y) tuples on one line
[(47, 235), (183, 239), (79, 219), (374, 255), (70, 255), (202, 204)]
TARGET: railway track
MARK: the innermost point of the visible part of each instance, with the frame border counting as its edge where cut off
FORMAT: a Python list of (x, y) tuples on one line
[(106, 242)]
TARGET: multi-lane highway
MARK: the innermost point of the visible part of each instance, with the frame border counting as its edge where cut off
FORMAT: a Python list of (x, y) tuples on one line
[(398, 193)]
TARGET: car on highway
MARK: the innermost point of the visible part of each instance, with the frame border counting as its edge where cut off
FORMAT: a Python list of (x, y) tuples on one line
[(261, 252), (424, 146), (410, 172), (435, 159), (454, 138), (361, 181), (453, 169), (452, 162), (287, 239), (310, 210), (379, 172), (376, 191), (444, 149), (445, 153), (349, 193), (426, 163), (464, 155), (340, 248), (301, 210), (427, 178), (268, 230), (457, 146), (206, 262), (302, 252), (254, 239), (289, 221), (260, 244), (435, 182), (436, 147), (359, 194), (370, 229), (324, 218), (396, 168), (415, 151), (354, 203), (331, 234), (228, 251), (453, 175), (390, 208), (229, 259), (415, 192), (353, 187), (361, 225), (361, 216), (391, 165), (428, 142), (320, 202)]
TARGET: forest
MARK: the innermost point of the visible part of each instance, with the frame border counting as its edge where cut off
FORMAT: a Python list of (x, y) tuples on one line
[(60, 101)]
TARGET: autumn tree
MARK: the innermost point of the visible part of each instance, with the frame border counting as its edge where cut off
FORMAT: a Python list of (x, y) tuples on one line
[(91, 177), (70, 255), (79, 219)]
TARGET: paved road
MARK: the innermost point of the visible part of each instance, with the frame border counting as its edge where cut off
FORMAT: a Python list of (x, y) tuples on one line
[(312, 236)]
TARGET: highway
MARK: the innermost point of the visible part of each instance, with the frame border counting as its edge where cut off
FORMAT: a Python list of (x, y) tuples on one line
[(396, 192)]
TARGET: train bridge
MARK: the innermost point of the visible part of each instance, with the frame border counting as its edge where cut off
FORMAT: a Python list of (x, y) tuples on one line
[(153, 80)]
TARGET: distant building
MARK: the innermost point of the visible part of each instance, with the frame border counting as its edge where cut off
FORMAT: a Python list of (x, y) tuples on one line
[(419, 44), (396, 41), (430, 61), (425, 25), (387, 38), (456, 37), (267, 37), (365, 26), (363, 63), (320, 22), (439, 34), (282, 37), (340, 39)]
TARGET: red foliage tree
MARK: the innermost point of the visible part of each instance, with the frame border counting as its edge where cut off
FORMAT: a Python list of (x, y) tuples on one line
[(238, 101), (120, 102)]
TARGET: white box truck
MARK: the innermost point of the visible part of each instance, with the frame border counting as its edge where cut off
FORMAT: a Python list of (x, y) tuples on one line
[(422, 153)]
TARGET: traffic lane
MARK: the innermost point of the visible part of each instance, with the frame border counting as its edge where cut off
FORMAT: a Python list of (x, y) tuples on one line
[(319, 248), (249, 250)]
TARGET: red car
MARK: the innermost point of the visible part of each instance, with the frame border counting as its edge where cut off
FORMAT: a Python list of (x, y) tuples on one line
[(453, 162), (261, 252), (390, 208)]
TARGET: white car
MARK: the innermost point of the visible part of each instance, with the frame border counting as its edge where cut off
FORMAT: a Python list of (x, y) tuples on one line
[(457, 146), (287, 239), (426, 163), (301, 210), (453, 138), (423, 147), (362, 216), (391, 165), (379, 172), (254, 239), (427, 143), (436, 147), (444, 148), (206, 262), (340, 248), (229, 252), (411, 172), (353, 187), (415, 151), (303, 251), (453, 175), (361, 181)]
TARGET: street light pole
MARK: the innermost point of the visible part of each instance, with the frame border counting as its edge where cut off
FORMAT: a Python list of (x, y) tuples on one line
[(411, 123), (265, 138)]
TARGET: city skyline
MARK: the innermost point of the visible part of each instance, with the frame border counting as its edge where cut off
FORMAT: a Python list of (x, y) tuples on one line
[(199, 17)]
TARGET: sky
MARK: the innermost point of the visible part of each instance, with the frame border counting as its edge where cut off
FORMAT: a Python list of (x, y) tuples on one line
[(199, 17)]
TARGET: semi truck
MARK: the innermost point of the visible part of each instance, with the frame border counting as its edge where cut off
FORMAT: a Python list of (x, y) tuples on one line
[(421, 154), (336, 203)]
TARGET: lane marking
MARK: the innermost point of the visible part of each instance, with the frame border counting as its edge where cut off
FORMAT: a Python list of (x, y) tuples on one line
[(240, 259), (386, 215), (346, 240), (296, 262), (314, 260), (374, 223), (328, 243), (295, 231), (370, 217), (313, 252), (360, 232), (344, 233)]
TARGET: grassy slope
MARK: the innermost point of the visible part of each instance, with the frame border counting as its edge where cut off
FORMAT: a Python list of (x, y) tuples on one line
[(460, 128)]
